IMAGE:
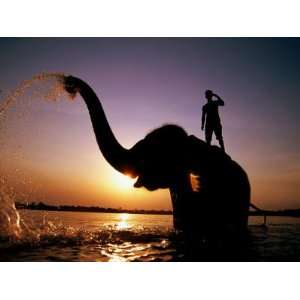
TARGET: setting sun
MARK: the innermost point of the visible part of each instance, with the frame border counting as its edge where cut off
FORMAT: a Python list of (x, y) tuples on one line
[(122, 181)]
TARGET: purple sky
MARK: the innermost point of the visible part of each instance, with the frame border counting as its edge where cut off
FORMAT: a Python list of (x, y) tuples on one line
[(144, 83)]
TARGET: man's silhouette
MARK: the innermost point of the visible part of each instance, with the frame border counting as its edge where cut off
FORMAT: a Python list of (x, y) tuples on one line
[(211, 118)]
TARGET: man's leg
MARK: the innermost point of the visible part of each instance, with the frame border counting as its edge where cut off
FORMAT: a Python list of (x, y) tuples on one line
[(221, 142), (219, 136), (208, 134)]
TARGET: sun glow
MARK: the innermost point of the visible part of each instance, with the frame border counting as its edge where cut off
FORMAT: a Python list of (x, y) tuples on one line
[(122, 181)]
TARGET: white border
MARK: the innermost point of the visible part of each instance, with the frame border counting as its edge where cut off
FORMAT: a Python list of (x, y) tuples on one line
[(151, 281), (150, 18)]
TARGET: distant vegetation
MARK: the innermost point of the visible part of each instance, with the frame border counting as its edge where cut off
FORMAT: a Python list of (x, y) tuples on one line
[(43, 206)]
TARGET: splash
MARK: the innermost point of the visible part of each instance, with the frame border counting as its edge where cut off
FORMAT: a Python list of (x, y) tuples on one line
[(46, 86), (54, 80), (10, 228)]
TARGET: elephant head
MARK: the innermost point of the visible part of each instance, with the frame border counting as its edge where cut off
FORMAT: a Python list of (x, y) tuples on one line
[(161, 158)]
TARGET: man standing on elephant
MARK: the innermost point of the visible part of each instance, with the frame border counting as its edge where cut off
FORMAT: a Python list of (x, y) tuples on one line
[(211, 118)]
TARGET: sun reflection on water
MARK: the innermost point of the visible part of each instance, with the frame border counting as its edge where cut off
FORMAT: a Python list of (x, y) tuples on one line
[(123, 223)]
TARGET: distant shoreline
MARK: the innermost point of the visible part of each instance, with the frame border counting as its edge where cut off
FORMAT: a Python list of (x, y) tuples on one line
[(96, 209)]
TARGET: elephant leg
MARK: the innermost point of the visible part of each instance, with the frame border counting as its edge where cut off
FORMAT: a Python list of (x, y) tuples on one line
[(181, 200), (178, 221)]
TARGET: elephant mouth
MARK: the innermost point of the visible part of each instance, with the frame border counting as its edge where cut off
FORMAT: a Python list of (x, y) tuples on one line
[(149, 185), (139, 182)]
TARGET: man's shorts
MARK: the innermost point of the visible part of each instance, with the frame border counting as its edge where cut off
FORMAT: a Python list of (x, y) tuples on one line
[(217, 129)]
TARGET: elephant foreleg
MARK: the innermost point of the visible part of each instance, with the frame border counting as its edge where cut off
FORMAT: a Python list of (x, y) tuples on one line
[(180, 195)]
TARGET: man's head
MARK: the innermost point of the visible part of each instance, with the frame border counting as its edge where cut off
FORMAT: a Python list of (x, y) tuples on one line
[(208, 95)]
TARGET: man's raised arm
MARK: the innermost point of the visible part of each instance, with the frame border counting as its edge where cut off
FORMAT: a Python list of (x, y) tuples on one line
[(219, 100)]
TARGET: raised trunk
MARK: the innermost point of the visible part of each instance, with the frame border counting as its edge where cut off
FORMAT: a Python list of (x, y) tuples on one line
[(117, 156)]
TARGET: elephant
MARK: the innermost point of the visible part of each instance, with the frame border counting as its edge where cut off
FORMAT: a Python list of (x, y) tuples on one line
[(165, 159)]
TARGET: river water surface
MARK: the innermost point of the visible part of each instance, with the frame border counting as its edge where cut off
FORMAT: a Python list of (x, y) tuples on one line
[(80, 236)]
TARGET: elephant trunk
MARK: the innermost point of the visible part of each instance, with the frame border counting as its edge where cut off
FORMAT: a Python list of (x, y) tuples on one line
[(118, 157)]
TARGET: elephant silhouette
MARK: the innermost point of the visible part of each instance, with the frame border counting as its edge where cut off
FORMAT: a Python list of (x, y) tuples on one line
[(166, 158)]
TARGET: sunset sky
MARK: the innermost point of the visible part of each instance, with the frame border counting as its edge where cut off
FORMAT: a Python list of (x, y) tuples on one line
[(49, 152)]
